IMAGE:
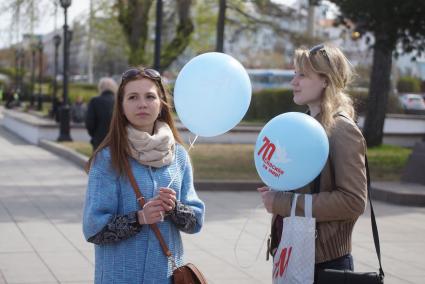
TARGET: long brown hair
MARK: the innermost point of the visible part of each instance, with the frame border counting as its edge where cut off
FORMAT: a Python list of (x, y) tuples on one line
[(117, 137)]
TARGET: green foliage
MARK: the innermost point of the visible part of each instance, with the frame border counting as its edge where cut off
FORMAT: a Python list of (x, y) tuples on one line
[(391, 22), (361, 98), (84, 86), (86, 91), (178, 44), (134, 17), (205, 23), (235, 161), (84, 148), (110, 57), (408, 84), (8, 71), (83, 91), (387, 162), (267, 104)]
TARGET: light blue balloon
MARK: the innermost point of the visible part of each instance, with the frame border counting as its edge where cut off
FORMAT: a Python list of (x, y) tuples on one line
[(212, 94), (291, 151)]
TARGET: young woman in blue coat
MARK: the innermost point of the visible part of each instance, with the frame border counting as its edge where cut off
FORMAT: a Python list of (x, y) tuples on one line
[(142, 135)]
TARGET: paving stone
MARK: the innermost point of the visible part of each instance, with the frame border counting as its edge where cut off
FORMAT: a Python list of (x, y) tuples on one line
[(41, 239)]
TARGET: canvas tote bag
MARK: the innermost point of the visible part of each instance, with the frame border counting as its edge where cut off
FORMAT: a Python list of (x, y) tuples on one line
[(293, 262)]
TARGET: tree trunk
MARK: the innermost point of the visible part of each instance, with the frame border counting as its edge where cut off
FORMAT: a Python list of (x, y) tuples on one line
[(90, 45), (182, 38), (311, 18), (378, 94), (158, 35), (133, 17), (220, 26)]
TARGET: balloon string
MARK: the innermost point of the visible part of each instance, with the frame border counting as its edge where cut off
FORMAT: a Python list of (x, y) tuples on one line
[(190, 147), (239, 237), (191, 143)]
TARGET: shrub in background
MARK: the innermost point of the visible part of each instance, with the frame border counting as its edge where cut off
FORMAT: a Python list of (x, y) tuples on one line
[(360, 99), (85, 90), (408, 84), (267, 104)]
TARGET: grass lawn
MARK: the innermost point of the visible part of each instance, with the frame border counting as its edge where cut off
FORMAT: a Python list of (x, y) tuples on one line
[(81, 147), (387, 162), (236, 162)]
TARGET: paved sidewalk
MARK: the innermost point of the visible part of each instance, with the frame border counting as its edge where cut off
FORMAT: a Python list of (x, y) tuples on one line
[(41, 197)]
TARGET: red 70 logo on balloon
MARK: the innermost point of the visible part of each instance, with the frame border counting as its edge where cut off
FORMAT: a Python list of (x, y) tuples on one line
[(268, 149)]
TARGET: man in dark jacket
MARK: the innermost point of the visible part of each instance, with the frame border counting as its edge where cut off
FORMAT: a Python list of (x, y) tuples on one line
[(99, 111)]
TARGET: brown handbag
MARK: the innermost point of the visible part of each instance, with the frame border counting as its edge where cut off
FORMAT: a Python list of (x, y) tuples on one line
[(186, 274)]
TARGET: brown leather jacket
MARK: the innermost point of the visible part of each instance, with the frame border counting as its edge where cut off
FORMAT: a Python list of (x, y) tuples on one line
[(341, 200)]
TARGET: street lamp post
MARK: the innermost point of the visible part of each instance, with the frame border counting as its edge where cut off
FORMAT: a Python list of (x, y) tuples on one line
[(221, 22), (19, 60), (40, 75), (21, 69), (17, 63), (57, 42), (64, 134), (33, 50), (158, 31)]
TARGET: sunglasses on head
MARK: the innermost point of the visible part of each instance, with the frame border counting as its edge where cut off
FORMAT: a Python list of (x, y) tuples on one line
[(320, 48), (146, 72)]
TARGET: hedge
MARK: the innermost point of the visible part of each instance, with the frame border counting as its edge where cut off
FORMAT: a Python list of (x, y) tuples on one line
[(360, 99), (408, 84), (267, 104)]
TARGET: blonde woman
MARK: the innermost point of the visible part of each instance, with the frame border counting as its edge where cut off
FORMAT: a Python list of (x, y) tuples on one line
[(340, 192)]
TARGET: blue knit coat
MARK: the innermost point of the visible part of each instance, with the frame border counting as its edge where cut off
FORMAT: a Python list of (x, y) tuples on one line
[(139, 259)]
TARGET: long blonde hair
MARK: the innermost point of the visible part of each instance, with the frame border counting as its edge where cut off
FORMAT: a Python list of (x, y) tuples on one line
[(329, 61), (117, 137)]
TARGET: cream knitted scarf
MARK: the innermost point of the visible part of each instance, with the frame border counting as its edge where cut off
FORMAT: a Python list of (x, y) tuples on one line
[(155, 150)]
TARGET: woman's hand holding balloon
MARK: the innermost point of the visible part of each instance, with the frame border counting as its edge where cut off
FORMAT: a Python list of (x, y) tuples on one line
[(152, 212), (268, 196), (168, 198)]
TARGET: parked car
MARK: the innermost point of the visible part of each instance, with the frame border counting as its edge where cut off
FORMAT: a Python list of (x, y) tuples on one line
[(412, 103)]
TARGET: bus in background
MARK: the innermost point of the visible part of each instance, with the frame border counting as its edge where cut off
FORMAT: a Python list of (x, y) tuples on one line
[(270, 78)]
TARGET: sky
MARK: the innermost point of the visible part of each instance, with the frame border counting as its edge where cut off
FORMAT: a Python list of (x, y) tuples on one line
[(78, 8)]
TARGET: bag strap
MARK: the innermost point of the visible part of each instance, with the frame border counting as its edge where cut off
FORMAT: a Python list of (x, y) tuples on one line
[(142, 203), (197, 272), (294, 205), (373, 220), (308, 204), (316, 189)]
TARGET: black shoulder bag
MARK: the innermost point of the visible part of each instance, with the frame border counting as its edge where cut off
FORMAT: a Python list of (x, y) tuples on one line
[(332, 276)]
